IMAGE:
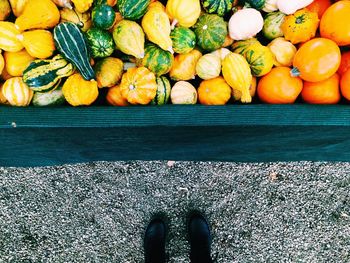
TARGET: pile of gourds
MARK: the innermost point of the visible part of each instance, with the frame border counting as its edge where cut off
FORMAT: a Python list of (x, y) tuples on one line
[(214, 52)]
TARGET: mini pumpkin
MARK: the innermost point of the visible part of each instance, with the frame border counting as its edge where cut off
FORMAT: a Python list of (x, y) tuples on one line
[(214, 91), (17, 62), (184, 67), (114, 97), (39, 43), (108, 71), (17, 92), (183, 92)]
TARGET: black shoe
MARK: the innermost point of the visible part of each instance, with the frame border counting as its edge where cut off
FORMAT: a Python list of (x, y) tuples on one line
[(200, 238), (154, 241)]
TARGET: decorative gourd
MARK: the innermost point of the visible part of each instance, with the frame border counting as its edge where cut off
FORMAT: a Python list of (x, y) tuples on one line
[(163, 91), (82, 20), (64, 3), (71, 43), (335, 23), (256, 4), (236, 94), (283, 52), (270, 6), (3, 100), (319, 7), (300, 27), (157, 60), (138, 86), (272, 25), (17, 62), (228, 41), (184, 67), (183, 12), (258, 56), (5, 75), (9, 37), (109, 72), (103, 16), (18, 6), (82, 5), (245, 24), (184, 40), (16, 92), (290, 7), (221, 53), (5, 10), (38, 14), (208, 66), (316, 60), (220, 7), (211, 31), (183, 92), (2, 63), (43, 75), (39, 43), (344, 63), (133, 9), (114, 97), (129, 38), (236, 72), (156, 26), (215, 91), (51, 98), (100, 42)]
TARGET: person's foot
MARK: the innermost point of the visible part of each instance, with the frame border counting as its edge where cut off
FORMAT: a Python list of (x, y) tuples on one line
[(200, 238), (154, 241)]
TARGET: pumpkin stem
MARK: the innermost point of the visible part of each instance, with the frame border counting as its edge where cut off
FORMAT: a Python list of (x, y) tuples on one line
[(295, 72), (173, 24), (171, 50)]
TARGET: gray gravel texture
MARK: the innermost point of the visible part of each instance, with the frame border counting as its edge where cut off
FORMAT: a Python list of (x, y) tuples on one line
[(97, 212)]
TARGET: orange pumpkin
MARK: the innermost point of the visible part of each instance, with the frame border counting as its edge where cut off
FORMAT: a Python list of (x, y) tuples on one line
[(214, 91), (345, 63), (279, 87), (317, 60), (335, 23), (323, 92), (319, 6), (138, 85), (114, 97), (345, 85)]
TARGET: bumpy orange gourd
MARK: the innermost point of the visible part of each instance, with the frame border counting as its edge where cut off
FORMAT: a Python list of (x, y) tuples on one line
[(38, 14), (317, 60), (79, 91), (345, 85), (39, 43), (114, 97), (214, 91), (300, 26), (138, 85), (345, 63), (184, 67), (183, 12), (17, 92), (335, 23), (17, 62), (10, 37), (279, 87)]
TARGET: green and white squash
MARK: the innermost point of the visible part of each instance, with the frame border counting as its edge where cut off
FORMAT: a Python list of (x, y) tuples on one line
[(272, 25), (157, 60), (43, 75), (71, 43), (103, 16), (211, 31), (219, 7), (133, 9), (163, 91), (50, 98), (100, 42), (184, 40), (208, 66), (256, 4)]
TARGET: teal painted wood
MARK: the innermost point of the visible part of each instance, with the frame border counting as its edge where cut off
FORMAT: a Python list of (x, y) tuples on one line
[(242, 133)]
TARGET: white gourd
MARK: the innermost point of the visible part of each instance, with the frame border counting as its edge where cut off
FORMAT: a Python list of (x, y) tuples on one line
[(270, 6), (245, 24), (290, 7), (208, 66), (221, 53)]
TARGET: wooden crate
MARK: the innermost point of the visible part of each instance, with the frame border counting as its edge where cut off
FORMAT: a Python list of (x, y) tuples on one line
[(243, 133)]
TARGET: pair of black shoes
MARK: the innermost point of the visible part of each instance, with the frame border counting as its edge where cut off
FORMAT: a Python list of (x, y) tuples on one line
[(198, 234)]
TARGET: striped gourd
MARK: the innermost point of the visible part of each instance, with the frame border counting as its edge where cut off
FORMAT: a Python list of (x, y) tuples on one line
[(157, 60), (133, 9), (43, 75), (50, 98), (220, 7), (208, 66), (17, 92), (9, 37), (163, 91), (184, 40), (71, 44)]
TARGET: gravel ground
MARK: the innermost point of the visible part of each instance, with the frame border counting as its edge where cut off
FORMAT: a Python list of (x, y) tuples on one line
[(97, 212)]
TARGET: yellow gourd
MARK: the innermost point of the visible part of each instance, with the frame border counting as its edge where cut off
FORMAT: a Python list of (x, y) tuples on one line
[(236, 94), (3, 100), (39, 43), (64, 3), (5, 75), (156, 26), (283, 52), (183, 12), (184, 67), (83, 20), (82, 5), (16, 92), (78, 91), (18, 6), (2, 62), (9, 37), (38, 14), (5, 9), (108, 71), (236, 72), (17, 62)]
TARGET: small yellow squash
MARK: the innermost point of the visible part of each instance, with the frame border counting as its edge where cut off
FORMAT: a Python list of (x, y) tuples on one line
[(183, 92), (17, 62), (10, 37), (5, 9), (184, 67), (83, 20), (17, 92), (108, 71), (18, 6), (214, 91), (82, 5), (236, 94), (39, 43), (183, 12), (3, 100), (38, 14), (237, 74), (283, 52)]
